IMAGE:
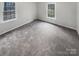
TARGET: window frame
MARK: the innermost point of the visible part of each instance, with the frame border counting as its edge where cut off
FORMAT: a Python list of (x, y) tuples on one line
[(4, 21), (47, 11)]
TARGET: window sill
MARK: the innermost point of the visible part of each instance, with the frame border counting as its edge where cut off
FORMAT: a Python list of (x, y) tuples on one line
[(51, 17), (8, 20)]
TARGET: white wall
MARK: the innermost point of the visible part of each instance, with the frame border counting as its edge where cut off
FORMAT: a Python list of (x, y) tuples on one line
[(78, 17), (65, 14), (26, 12)]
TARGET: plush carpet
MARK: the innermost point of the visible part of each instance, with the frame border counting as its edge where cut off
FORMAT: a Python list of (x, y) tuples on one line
[(39, 39)]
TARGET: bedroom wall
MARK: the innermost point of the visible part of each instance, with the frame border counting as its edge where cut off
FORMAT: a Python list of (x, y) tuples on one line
[(66, 14), (78, 17), (26, 12)]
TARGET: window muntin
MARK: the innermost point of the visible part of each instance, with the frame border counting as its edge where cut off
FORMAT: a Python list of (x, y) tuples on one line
[(9, 11), (51, 10)]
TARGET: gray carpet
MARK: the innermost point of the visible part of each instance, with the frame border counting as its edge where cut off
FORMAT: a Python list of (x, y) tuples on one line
[(39, 39)]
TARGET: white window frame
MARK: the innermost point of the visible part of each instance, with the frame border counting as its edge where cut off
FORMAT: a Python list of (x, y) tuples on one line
[(2, 20), (47, 11)]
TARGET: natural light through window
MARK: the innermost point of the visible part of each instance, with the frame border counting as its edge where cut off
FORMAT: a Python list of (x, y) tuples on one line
[(9, 11), (51, 10)]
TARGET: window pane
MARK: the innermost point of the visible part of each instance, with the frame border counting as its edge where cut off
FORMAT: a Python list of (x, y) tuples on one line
[(51, 10), (9, 10)]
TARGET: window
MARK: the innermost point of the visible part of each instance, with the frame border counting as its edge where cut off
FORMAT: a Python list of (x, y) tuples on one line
[(51, 10), (9, 11)]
